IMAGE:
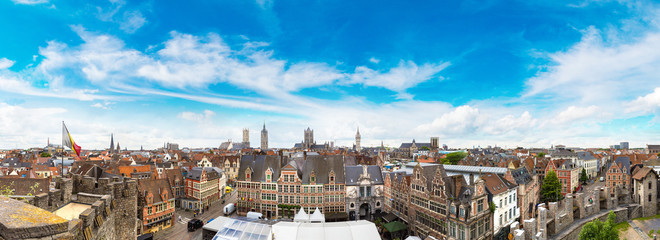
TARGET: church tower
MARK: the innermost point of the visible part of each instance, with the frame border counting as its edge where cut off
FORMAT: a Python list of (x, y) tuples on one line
[(264, 138), (309, 138), (246, 137), (358, 138)]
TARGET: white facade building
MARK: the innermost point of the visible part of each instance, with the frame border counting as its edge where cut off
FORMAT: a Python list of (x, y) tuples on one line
[(505, 198)]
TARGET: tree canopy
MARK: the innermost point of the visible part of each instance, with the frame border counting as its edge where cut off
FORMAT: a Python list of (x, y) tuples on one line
[(600, 230), (454, 158), (551, 188), (541, 155), (583, 176), (45, 154)]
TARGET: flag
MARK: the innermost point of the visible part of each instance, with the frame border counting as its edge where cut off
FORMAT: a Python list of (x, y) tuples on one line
[(67, 141)]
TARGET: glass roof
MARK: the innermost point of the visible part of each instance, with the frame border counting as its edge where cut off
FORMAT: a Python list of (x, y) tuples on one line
[(234, 229)]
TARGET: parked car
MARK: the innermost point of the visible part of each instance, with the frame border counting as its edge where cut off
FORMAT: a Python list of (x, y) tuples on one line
[(229, 209), (254, 215), (602, 179), (194, 224)]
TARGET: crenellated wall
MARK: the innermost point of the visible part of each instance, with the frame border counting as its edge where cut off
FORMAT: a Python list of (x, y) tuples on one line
[(113, 211)]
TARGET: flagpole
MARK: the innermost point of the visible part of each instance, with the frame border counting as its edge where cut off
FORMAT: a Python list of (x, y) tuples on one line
[(62, 173)]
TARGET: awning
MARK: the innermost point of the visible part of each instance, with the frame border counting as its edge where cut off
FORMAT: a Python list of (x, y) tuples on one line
[(389, 217), (395, 226), (159, 221)]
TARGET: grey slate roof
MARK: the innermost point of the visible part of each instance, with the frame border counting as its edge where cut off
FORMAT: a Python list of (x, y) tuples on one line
[(322, 165), (196, 173), (259, 164), (625, 162), (585, 156), (353, 174), (521, 175)]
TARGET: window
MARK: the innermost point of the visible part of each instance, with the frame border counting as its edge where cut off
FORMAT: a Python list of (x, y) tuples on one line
[(649, 185), (649, 197), (480, 206)]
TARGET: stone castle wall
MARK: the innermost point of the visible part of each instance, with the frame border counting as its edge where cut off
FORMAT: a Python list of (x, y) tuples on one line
[(113, 211)]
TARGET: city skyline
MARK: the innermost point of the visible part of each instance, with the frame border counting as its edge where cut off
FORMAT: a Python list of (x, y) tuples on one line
[(529, 74)]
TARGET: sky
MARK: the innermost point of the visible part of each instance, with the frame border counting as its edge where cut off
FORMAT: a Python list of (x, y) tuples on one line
[(473, 73)]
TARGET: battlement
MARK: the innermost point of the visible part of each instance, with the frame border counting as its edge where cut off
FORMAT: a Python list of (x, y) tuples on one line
[(112, 212)]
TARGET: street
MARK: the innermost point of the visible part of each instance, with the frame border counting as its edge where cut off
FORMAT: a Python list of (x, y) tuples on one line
[(180, 228)]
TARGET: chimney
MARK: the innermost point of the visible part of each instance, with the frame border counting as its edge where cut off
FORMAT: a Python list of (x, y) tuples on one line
[(471, 179), (458, 182), (305, 155)]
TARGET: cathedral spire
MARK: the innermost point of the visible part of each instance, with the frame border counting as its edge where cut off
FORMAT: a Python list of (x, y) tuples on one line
[(112, 142)]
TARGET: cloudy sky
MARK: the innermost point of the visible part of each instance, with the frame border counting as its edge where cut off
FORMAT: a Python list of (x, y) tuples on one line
[(474, 73)]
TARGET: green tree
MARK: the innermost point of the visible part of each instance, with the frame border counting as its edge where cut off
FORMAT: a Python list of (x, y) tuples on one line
[(541, 155), (551, 188), (425, 148), (597, 230), (45, 154), (453, 158), (583, 176)]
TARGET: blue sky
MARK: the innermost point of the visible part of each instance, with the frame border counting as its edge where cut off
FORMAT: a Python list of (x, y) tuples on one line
[(474, 73)]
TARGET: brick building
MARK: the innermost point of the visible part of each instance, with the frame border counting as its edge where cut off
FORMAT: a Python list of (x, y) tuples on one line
[(567, 172), (155, 205), (201, 188), (440, 206), (309, 182), (618, 174)]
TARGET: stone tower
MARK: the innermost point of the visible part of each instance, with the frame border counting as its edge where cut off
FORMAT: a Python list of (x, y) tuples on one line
[(112, 143), (434, 143), (264, 138), (246, 137), (309, 138), (118, 148), (358, 138)]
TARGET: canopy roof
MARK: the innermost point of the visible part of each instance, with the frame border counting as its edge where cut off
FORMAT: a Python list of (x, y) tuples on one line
[(395, 226)]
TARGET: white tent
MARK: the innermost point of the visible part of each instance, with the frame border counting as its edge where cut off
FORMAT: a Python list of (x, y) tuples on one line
[(359, 230), (301, 217), (317, 217)]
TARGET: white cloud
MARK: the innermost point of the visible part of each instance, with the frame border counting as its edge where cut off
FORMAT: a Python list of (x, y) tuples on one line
[(646, 103), (6, 63), (574, 113), (30, 2), (104, 105), (406, 75), (462, 120), (132, 21), (374, 60), (22, 126), (598, 72), (197, 117)]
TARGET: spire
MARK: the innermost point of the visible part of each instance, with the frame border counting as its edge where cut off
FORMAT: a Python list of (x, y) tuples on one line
[(264, 124), (112, 142)]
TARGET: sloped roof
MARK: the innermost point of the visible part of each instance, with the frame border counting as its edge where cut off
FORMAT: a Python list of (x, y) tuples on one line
[(156, 187), (642, 172), (495, 184), (259, 164), (321, 166), (353, 174)]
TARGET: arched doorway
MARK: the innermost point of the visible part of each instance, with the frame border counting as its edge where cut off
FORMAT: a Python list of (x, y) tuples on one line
[(365, 211), (351, 215)]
